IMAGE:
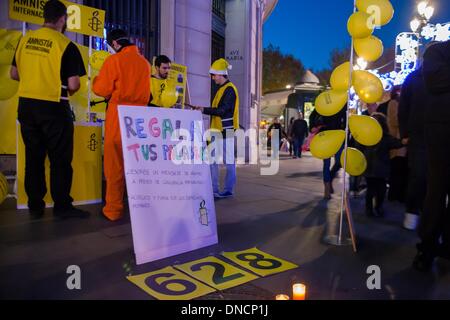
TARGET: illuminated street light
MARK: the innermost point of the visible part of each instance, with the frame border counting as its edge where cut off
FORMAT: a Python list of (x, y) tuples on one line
[(421, 7), (415, 24), (429, 11)]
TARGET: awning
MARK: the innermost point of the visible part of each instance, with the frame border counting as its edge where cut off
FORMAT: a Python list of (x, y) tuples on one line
[(273, 104)]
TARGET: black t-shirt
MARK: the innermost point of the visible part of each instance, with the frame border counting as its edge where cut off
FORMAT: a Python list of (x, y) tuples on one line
[(71, 65)]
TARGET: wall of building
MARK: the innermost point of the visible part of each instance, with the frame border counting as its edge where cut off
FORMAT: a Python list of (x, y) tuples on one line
[(186, 38), (242, 50)]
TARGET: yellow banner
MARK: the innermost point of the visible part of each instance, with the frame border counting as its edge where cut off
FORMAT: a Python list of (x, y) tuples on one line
[(81, 19), (86, 164), (177, 79)]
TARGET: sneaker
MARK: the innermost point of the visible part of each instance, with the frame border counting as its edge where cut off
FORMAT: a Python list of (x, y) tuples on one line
[(217, 195), (225, 194), (71, 213), (411, 221), (423, 261)]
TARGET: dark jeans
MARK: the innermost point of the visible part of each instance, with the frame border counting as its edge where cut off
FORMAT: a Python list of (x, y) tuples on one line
[(376, 187), (330, 174), (417, 179), (398, 180), (435, 220), (47, 129), (298, 144)]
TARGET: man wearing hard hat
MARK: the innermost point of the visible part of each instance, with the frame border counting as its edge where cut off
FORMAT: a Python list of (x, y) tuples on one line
[(124, 79), (225, 118), (48, 66)]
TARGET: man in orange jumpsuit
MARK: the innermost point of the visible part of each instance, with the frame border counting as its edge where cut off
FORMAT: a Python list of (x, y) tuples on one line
[(124, 79)]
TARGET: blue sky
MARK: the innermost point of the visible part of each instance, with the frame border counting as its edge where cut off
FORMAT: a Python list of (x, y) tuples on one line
[(310, 29)]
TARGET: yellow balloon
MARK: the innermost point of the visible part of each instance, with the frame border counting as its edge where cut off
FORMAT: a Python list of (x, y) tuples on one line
[(340, 78), (8, 44), (8, 86), (368, 86), (370, 48), (169, 97), (327, 143), (98, 58), (356, 162), (381, 11), (329, 103), (366, 130), (3, 188), (359, 25)]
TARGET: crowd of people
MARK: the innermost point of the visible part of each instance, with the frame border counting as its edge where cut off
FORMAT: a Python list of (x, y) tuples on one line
[(48, 76), (412, 157), (411, 163)]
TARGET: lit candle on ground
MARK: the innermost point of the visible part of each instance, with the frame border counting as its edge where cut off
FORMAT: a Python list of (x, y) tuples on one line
[(282, 297), (298, 291)]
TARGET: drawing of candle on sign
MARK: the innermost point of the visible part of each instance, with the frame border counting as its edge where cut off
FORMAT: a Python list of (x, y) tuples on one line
[(203, 213)]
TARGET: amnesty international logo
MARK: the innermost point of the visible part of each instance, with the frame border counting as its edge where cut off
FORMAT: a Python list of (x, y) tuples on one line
[(92, 145), (95, 23)]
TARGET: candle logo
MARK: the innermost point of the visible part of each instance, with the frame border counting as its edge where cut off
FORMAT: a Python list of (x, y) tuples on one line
[(203, 212)]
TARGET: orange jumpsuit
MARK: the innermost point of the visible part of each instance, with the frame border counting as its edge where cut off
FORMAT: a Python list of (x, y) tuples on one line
[(125, 79)]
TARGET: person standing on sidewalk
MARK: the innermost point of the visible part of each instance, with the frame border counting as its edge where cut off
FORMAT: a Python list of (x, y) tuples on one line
[(48, 66), (399, 166), (435, 221), (335, 122), (378, 167), (411, 115), (124, 79), (225, 119), (299, 132), (159, 80), (289, 136)]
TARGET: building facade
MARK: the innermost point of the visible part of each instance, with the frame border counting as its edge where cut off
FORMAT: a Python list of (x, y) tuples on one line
[(193, 33)]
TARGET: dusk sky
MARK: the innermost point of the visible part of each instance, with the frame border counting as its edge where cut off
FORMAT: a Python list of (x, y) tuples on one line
[(311, 29)]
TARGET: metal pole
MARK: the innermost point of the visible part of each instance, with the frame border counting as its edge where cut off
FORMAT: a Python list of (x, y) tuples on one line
[(24, 28), (89, 81), (344, 189)]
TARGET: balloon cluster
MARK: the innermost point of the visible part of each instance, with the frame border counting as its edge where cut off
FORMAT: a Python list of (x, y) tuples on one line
[(9, 40), (365, 130)]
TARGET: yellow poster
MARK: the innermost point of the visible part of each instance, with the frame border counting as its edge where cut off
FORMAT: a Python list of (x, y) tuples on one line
[(216, 273), (170, 284), (81, 19), (79, 101), (86, 164), (259, 262), (177, 79)]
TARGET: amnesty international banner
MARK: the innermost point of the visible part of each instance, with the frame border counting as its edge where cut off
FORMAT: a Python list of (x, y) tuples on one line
[(168, 183), (86, 164), (81, 19)]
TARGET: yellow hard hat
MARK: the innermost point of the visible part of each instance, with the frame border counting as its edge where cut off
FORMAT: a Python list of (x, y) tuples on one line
[(220, 66)]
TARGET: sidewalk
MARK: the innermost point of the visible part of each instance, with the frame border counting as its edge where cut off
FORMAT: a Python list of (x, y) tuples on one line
[(283, 215)]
